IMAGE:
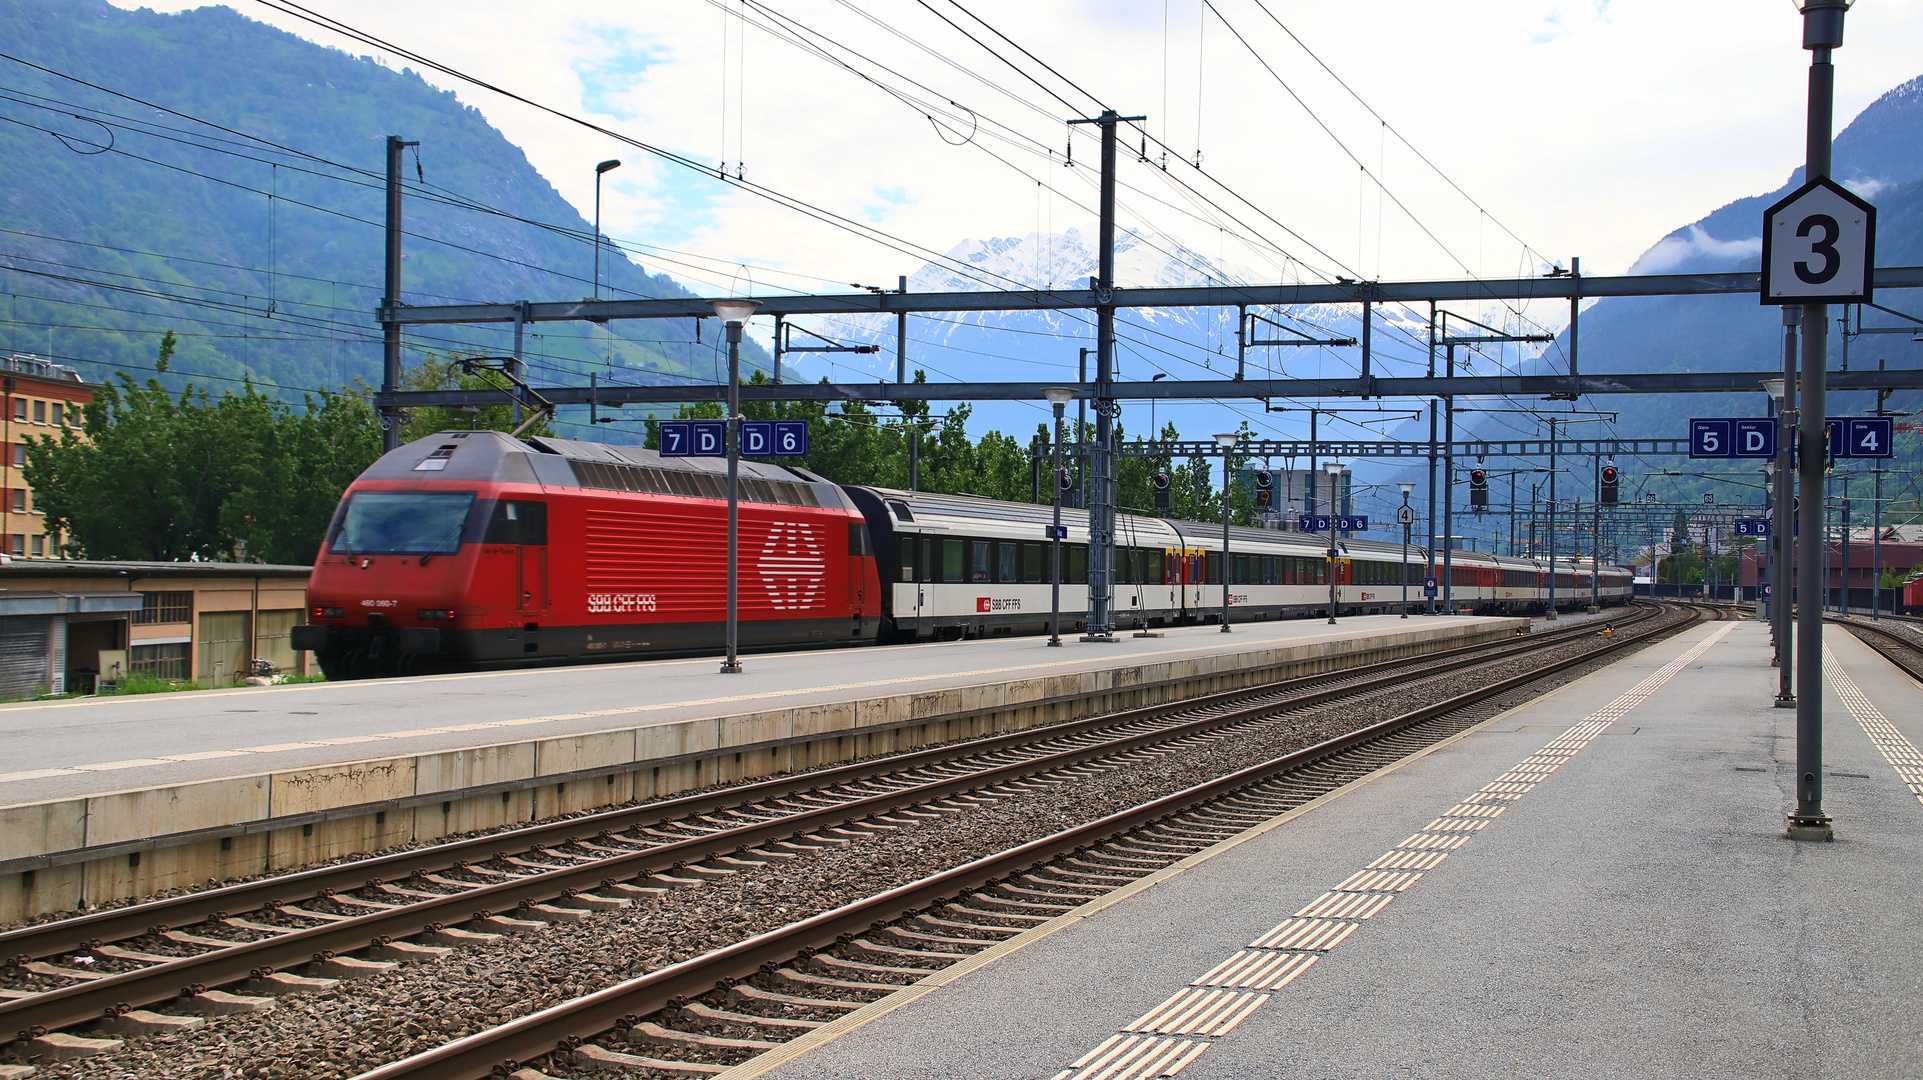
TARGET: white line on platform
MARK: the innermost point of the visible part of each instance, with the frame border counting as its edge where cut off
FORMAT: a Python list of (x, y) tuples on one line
[(1900, 752), (1275, 958)]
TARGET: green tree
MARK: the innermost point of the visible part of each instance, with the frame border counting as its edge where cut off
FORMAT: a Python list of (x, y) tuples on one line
[(161, 477)]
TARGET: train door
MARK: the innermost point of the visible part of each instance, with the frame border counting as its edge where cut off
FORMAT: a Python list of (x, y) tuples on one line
[(1186, 572), (525, 525), (858, 553)]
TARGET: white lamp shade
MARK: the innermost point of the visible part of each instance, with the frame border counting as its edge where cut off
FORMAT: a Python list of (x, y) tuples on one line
[(1058, 395), (1406, 487), (1226, 439), (734, 312), (1774, 388), (1333, 468)]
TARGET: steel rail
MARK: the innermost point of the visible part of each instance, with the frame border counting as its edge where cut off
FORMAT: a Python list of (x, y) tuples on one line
[(477, 1056), (70, 1005)]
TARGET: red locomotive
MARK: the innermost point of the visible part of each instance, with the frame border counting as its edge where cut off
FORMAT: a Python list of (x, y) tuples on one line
[(473, 549)]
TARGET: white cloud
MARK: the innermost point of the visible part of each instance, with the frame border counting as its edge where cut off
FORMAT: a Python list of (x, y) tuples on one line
[(1587, 127), (1673, 251)]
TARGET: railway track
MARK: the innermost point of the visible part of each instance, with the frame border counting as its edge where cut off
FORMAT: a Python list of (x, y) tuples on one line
[(708, 1013), (71, 972), (1905, 650)]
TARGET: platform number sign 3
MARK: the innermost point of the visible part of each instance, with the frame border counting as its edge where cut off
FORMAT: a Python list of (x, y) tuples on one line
[(1819, 246)]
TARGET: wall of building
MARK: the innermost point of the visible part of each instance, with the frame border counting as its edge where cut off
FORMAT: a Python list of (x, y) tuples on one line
[(199, 621), (36, 399)]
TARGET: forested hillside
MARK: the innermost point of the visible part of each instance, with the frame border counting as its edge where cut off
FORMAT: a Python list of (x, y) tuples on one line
[(206, 173)]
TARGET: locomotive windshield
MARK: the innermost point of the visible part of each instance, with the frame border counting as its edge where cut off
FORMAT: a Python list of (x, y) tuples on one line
[(401, 523)]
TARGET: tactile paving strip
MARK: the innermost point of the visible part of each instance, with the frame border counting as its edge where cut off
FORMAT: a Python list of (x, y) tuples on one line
[(1897, 750), (1208, 1007)]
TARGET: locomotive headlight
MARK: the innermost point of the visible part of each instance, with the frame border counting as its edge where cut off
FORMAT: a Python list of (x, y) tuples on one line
[(320, 612), (432, 614)]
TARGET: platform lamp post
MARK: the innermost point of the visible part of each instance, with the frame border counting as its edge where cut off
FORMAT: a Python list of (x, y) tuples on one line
[(1822, 34), (599, 171), (1334, 469), (1058, 399), (1782, 551), (1408, 519), (1226, 440), (734, 314)]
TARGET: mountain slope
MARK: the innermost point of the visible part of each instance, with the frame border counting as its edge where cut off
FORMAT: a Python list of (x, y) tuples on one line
[(278, 253)]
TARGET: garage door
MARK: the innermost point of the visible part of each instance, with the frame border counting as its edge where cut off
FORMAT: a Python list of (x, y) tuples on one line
[(23, 655), (223, 648)]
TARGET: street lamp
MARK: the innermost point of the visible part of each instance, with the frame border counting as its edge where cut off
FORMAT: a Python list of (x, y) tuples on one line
[(1058, 397), (733, 313), (599, 171), (1408, 518), (1226, 440), (1334, 469)]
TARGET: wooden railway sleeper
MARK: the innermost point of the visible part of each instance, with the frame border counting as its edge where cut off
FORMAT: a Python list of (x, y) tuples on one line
[(723, 1016), (912, 936), (650, 1032), (751, 992), (879, 949), (828, 982), (838, 963)]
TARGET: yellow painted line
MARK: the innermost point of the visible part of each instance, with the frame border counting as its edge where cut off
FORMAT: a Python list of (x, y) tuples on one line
[(1896, 749)]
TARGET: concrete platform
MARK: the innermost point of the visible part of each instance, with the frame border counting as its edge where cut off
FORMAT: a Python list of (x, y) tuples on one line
[(240, 781), (1633, 911)]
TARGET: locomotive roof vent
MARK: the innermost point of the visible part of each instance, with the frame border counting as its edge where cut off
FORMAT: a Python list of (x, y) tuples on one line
[(437, 461), (902, 513)]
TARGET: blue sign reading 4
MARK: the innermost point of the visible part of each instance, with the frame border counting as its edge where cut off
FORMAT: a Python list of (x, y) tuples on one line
[(1860, 436)]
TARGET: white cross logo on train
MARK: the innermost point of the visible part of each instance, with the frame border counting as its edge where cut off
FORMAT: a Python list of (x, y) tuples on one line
[(792, 566)]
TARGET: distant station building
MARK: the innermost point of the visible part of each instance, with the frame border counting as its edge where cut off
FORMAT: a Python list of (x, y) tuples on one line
[(36, 398), (67, 623)]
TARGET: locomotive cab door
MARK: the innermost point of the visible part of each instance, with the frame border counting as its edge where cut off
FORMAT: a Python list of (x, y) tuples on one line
[(524, 524)]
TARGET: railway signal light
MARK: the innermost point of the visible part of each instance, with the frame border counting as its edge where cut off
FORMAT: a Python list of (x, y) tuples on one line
[(1264, 489), (1609, 486), (1065, 480), (1160, 483), (1478, 488)]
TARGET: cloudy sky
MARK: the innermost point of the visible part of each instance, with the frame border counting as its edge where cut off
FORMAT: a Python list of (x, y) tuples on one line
[(1550, 128)]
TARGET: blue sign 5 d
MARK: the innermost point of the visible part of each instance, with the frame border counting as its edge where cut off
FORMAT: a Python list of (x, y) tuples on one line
[(1732, 438)]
